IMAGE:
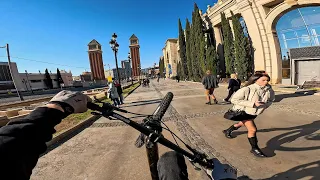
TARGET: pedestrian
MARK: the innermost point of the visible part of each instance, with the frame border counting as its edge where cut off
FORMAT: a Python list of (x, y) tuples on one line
[(249, 102), (113, 94), (210, 83), (148, 82), (158, 76), (119, 90), (178, 78), (234, 86)]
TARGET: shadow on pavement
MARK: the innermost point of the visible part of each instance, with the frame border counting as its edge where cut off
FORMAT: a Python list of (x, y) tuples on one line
[(304, 171), (308, 171), (142, 103), (280, 97), (145, 101), (307, 131)]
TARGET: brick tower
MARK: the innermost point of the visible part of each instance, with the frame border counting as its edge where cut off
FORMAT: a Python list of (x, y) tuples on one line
[(96, 62), (135, 55)]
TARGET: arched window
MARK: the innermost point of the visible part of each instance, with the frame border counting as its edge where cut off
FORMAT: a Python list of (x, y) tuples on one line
[(297, 28)]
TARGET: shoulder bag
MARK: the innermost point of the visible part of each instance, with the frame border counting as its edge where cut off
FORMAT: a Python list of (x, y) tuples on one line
[(232, 114)]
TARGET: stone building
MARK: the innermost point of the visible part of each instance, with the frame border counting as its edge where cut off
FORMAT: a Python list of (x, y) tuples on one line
[(274, 27), (171, 57), (27, 81)]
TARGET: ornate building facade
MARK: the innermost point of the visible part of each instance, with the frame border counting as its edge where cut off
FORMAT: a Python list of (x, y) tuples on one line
[(274, 27), (171, 57)]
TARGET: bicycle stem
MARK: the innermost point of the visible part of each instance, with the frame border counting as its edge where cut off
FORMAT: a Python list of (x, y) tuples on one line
[(156, 138)]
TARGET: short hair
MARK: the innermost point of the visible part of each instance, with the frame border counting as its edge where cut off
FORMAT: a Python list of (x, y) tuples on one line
[(208, 72), (233, 76)]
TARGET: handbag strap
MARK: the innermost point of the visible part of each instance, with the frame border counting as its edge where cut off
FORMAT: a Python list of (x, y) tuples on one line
[(248, 94)]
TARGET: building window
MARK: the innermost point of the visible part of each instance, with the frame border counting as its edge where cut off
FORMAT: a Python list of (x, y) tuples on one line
[(295, 29), (35, 81)]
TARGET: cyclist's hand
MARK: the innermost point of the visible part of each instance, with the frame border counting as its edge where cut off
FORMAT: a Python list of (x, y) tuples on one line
[(222, 171), (76, 100)]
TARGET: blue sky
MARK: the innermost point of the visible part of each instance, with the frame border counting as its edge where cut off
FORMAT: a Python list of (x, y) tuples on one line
[(58, 31)]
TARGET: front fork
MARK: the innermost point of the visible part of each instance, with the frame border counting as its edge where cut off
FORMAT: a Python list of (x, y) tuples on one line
[(153, 157)]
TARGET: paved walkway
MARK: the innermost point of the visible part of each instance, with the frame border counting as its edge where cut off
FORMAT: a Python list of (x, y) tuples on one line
[(288, 132)]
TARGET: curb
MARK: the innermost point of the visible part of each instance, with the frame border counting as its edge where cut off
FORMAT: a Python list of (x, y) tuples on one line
[(132, 90), (90, 120)]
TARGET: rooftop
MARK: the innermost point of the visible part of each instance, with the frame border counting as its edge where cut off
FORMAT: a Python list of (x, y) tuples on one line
[(94, 42)]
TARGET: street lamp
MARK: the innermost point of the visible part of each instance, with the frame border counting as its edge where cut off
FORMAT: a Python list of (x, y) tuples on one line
[(115, 46), (9, 64), (129, 59), (139, 68)]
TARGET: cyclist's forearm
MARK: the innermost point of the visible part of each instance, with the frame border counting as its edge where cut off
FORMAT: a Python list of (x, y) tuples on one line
[(22, 141)]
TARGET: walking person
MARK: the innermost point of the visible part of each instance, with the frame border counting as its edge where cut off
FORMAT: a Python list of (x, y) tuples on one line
[(158, 76), (119, 90), (210, 82), (113, 94), (178, 78), (249, 102), (234, 86)]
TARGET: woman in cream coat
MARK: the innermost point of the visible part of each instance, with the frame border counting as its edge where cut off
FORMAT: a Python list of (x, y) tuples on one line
[(252, 100)]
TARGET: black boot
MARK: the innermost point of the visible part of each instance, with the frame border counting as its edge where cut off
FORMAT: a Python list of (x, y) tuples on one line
[(228, 131), (255, 148), (215, 101)]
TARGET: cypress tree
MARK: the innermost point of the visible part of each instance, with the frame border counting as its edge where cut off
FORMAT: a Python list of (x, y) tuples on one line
[(179, 69), (227, 44), (193, 50), (59, 78), (199, 65), (211, 54), (161, 66), (188, 50), (48, 80), (183, 52), (241, 60)]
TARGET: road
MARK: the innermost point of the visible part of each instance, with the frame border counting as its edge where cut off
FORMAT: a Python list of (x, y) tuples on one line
[(288, 133), (5, 98)]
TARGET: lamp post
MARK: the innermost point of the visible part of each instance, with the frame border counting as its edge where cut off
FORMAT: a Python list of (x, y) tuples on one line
[(29, 81), (9, 64), (115, 46), (129, 59)]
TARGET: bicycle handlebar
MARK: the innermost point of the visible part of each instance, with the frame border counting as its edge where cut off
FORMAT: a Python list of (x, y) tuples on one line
[(107, 111)]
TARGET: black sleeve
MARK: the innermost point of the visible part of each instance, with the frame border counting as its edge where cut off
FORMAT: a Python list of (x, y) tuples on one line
[(24, 140), (231, 83)]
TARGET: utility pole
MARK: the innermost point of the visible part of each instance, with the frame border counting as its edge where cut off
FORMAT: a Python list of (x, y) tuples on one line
[(9, 64), (29, 81)]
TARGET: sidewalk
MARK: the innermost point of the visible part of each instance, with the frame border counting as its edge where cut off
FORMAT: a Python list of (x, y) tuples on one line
[(288, 132)]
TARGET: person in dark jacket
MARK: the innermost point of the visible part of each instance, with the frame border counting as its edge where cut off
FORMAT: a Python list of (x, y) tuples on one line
[(234, 86), (119, 90), (210, 82)]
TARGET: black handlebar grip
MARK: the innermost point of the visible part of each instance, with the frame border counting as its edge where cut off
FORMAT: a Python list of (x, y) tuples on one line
[(94, 107), (163, 106)]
